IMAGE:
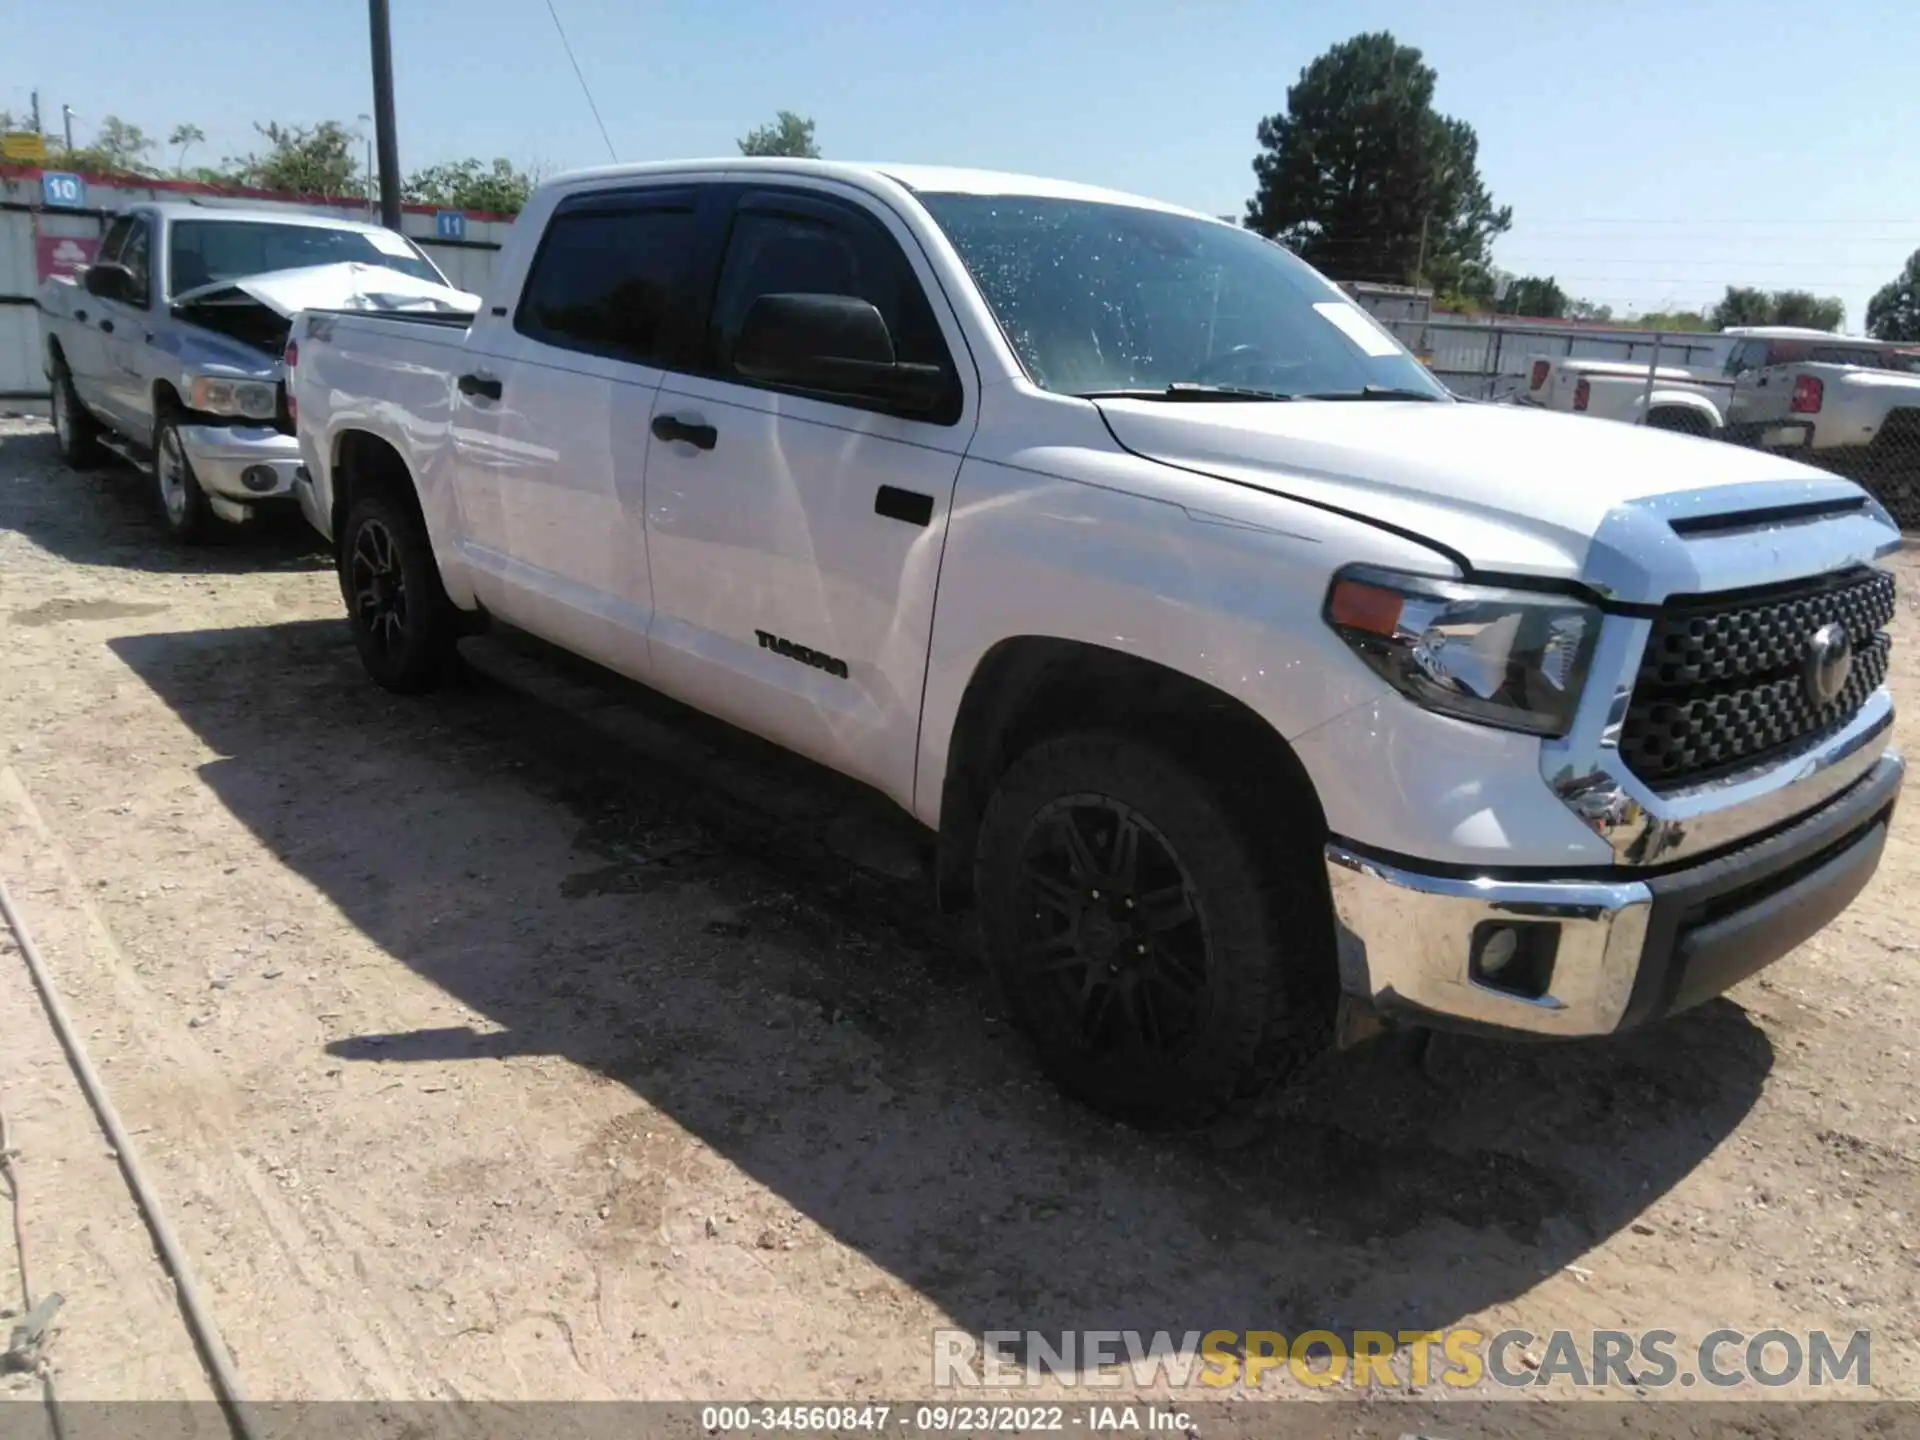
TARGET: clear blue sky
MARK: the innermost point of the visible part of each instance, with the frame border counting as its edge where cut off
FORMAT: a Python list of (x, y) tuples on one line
[(1652, 152)]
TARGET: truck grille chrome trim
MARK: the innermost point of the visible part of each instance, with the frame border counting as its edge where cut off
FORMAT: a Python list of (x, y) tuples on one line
[(1646, 826), (1729, 685)]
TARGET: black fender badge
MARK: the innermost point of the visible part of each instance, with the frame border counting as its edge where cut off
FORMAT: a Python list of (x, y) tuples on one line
[(801, 653)]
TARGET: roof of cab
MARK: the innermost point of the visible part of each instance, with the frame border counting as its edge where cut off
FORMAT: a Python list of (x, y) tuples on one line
[(926, 179)]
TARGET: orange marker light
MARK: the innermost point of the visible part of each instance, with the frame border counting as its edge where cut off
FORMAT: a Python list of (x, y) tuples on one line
[(1359, 606)]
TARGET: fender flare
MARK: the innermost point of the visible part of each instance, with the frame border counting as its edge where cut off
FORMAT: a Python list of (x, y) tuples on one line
[(1689, 400)]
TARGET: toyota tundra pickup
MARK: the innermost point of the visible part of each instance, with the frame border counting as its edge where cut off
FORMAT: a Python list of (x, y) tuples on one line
[(166, 350), (1255, 692)]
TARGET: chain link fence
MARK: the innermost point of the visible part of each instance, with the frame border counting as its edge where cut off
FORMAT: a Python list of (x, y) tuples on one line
[(1847, 405)]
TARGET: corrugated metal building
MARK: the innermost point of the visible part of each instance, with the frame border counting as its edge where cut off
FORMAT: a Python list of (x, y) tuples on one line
[(32, 233)]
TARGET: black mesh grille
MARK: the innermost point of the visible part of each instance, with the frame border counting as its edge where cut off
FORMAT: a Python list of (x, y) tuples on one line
[(1721, 684)]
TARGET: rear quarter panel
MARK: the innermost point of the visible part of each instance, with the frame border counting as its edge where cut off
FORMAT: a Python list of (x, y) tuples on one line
[(394, 381)]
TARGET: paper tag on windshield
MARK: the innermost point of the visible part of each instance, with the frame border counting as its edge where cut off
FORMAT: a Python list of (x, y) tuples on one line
[(1355, 325), (388, 243)]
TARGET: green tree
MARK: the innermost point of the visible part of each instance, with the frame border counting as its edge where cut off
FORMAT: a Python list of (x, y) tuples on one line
[(471, 185), (118, 148), (183, 138), (1587, 310), (1695, 320), (1894, 311), (1532, 295), (1365, 180), (1809, 311), (307, 160), (1742, 305), (789, 134)]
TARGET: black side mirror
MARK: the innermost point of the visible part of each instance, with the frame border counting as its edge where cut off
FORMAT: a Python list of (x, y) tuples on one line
[(109, 281), (836, 344)]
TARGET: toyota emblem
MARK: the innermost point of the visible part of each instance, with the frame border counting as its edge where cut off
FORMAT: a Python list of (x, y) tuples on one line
[(1829, 663)]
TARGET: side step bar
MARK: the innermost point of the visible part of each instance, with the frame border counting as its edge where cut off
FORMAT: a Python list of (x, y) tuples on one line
[(134, 455)]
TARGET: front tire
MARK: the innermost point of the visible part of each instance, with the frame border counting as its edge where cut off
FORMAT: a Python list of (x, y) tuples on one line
[(179, 500), (403, 623), (75, 432), (1162, 967)]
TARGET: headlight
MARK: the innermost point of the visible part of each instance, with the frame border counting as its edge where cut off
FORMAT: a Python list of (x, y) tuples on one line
[(1510, 658), (213, 395)]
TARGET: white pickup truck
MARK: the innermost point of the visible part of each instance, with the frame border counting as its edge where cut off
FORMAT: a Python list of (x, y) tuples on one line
[(1839, 402), (166, 350), (1256, 691), (1686, 398)]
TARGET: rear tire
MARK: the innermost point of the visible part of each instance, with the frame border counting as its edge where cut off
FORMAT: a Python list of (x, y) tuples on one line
[(75, 432), (181, 503), (403, 623), (1681, 422), (1161, 965)]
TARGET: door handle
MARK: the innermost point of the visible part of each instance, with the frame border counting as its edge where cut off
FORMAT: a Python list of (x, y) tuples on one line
[(480, 385), (908, 505), (79, 314), (669, 427), (107, 325)]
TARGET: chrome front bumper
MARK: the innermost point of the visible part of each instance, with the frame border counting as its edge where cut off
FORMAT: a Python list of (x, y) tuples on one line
[(223, 455), (1622, 949)]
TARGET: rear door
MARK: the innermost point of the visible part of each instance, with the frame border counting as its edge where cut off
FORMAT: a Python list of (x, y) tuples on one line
[(550, 421), (83, 343), (795, 540)]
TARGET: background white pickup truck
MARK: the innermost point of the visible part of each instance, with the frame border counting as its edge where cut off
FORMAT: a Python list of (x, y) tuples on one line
[(167, 348), (1254, 689), (1689, 399), (1846, 404)]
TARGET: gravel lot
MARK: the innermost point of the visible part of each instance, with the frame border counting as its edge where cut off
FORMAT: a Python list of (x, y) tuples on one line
[(539, 1040)]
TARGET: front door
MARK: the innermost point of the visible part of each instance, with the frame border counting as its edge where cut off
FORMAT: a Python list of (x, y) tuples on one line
[(795, 539), (551, 420), (125, 401), (84, 343)]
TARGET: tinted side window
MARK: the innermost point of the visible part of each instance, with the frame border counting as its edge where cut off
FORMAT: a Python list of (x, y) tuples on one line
[(115, 237), (137, 256), (826, 252), (606, 279)]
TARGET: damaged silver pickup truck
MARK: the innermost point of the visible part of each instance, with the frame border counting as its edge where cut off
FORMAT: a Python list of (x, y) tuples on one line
[(167, 349)]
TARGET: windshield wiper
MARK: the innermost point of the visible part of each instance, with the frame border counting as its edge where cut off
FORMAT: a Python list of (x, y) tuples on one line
[(1369, 392), (1183, 390)]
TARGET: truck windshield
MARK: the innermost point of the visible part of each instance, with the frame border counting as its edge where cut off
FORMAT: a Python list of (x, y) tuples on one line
[(1097, 298), (203, 251)]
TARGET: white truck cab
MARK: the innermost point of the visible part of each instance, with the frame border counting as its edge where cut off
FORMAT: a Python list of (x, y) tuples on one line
[(1256, 690)]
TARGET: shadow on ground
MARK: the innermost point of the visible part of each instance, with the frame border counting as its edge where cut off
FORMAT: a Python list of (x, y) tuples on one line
[(815, 1024), (106, 516)]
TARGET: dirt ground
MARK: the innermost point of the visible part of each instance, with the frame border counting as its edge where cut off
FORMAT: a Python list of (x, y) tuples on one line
[(539, 1040)]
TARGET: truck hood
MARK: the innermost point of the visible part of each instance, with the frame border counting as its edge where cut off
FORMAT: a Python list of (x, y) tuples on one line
[(349, 285), (1501, 487)]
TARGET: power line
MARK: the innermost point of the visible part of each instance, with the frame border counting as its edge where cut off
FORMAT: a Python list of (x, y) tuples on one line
[(562, 31)]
